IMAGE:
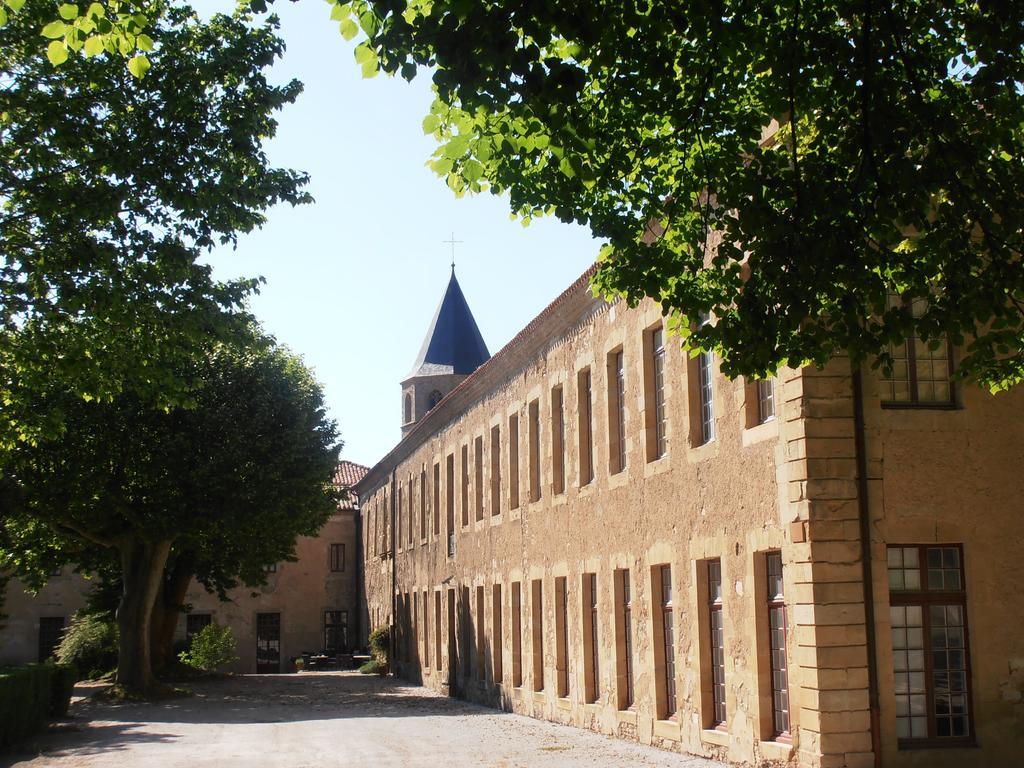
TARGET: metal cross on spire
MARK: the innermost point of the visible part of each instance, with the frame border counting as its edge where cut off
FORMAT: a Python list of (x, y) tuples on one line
[(453, 242)]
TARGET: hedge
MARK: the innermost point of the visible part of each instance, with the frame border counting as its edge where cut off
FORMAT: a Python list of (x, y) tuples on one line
[(29, 695)]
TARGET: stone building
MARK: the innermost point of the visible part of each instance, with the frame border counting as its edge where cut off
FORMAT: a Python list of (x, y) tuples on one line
[(306, 606), (597, 529), (311, 604)]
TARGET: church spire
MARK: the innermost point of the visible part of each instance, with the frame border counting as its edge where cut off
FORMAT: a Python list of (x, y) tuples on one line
[(452, 349), (453, 343)]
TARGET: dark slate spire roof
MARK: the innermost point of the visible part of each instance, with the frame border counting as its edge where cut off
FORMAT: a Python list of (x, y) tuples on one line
[(453, 343)]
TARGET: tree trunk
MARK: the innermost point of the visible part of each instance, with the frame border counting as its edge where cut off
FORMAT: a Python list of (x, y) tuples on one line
[(142, 568), (167, 607)]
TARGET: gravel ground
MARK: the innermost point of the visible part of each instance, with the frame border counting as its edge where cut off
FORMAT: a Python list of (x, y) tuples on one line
[(322, 720)]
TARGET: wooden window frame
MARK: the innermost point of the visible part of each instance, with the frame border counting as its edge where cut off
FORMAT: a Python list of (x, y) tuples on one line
[(337, 563), (764, 399), (495, 470), (478, 476), (513, 461), (585, 423), (562, 635), (497, 641), (665, 656), (516, 608), (655, 404), (537, 645), (626, 688), (716, 644), (591, 639), (776, 602), (557, 440), (926, 598), (533, 438), (617, 454), (464, 480)]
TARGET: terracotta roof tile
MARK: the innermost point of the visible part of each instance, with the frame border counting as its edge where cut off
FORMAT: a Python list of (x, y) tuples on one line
[(346, 475)]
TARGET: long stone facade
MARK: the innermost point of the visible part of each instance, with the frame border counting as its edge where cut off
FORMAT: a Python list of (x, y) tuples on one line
[(597, 529)]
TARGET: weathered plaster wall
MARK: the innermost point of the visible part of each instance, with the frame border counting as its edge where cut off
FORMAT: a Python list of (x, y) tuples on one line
[(19, 629), (299, 591), (717, 500)]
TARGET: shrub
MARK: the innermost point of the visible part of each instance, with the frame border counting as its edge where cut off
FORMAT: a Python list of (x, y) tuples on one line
[(213, 646), (90, 644), (380, 643), (374, 667), (25, 694), (62, 685)]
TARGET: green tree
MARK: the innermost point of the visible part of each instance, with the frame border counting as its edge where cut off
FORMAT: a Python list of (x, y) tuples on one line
[(249, 465), (784, 166), (112, 187)]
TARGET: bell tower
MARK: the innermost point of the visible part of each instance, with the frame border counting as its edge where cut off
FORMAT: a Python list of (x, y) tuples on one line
[(452, 350)]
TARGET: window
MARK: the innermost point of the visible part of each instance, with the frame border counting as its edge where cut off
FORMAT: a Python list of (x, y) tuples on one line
[(584, 414), (616, 413), (931, 660), (408, 408), (449, 498), (398, 516), (466, 622), (537, 605), (335, 631), (51, 632), (920, 370), (777, 644), (194, 623), (409, 534), (534, 437), (517, 634), (706, 396), (625, 639), (478, 477), (495, 470), (426, 630), (481, 660), (337, 557), (423, 502), (434, 398), (270, 568), (666, 659), (497, 643), (437, 499), (562, 635), (765, 400), (717, 644), (557, 441), (591, 648), (513, 461), (655, 413), (465, 485), (437, 631)]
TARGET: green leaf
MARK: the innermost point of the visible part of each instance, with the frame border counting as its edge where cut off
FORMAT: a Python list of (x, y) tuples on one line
[(340, 12), (57, 52), (364, 53), (3, 16), (138, 66), (370, 69), (472, 170), (144, 43), (349, 29), (68, 11), (15, 5), (54, 30), (93, 46), (431, 123)]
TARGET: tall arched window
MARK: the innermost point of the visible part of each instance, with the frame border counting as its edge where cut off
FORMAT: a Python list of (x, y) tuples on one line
[(434, 399), (408, 407)]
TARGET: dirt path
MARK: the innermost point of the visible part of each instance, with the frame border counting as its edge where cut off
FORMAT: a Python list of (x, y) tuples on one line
[(320, 720)]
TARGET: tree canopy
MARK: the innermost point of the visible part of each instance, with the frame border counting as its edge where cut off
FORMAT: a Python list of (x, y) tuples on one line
[(112, 186), (783, 167), (217, 490)]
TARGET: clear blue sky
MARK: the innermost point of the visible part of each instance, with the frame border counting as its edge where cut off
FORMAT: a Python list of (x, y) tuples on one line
[(353, 279)]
